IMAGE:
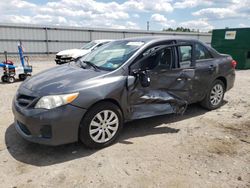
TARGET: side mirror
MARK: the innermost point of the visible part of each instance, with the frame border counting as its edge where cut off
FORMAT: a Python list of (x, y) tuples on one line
[(144, 78)]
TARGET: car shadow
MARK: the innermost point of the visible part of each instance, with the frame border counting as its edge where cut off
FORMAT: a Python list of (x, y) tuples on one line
[(41, 155)]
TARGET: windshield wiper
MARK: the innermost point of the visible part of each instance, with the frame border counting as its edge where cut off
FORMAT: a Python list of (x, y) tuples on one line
[(90, 64)]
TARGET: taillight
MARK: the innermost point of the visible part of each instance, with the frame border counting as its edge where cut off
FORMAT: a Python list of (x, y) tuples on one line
[(234, 64)]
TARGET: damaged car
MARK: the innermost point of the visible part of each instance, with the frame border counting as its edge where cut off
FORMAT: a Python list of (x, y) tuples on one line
[(91, 98)]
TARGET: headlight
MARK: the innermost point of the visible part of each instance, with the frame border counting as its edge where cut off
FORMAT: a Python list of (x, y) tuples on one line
[(53, 101)]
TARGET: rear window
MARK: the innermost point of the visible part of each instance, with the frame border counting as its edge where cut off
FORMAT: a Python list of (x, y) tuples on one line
[(201, 52), (185, 56)]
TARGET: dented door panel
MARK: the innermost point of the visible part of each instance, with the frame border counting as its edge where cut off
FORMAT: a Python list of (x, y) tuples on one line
[(169, 92)]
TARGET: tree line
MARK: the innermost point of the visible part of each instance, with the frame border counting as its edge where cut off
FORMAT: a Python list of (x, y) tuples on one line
[(183, 29)]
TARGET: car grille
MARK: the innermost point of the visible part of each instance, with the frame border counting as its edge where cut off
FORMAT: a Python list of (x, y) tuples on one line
[(25, 100)]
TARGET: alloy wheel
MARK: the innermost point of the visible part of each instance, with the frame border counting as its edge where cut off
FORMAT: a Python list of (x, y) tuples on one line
[(216, 94), (103, 126)]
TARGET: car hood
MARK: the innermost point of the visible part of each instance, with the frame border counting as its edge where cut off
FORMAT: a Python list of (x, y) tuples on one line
[(73, 52), (62, 79)]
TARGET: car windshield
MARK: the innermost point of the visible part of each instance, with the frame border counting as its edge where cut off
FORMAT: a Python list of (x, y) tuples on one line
[(88, 45), (112, 55)]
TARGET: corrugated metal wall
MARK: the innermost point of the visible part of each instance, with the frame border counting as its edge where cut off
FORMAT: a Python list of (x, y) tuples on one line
[(38, 39)]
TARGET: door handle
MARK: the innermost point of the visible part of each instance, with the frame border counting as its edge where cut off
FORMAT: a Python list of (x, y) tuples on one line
[(211, 68), (183, 78)]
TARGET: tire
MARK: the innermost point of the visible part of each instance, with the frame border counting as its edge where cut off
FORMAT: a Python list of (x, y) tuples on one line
[(91, 122), (11, 79), (4, 78), (217, 90), (22, 76)]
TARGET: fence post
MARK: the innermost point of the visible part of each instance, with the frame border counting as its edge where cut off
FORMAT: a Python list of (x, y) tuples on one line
[(47, 41), (90, 35)]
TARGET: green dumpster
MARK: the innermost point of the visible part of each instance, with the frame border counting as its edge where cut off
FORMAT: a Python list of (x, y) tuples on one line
[(235, 42)]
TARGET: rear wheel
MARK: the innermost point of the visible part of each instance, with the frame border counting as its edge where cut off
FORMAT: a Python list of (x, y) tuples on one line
[(215, 96), (101, 125)]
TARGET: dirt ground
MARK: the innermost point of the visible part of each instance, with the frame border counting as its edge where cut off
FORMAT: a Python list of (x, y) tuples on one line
[(199, 149)]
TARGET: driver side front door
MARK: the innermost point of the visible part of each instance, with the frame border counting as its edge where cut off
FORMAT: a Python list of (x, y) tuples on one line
[(168, 89)]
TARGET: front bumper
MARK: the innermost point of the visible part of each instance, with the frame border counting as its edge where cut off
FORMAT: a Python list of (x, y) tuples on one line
[(50, 127)]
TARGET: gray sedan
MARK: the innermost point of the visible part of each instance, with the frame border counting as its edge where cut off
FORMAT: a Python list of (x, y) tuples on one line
[(90, 99)]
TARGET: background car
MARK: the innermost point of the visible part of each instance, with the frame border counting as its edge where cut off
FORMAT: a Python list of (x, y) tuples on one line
[(66, 56)]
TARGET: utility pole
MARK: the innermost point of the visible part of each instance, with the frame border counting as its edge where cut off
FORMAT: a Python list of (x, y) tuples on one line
[(147, 25)]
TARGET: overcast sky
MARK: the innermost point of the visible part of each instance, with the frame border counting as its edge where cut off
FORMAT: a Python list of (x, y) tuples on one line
[(132, 14)]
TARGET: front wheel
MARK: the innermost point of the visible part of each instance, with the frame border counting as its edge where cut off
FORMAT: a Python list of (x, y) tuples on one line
[(215, 96), (101, 125)]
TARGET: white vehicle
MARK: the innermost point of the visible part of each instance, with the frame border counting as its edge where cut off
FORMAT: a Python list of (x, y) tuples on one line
[(66, 56)]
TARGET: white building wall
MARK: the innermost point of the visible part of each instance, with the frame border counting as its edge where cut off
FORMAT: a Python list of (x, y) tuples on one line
[(39, 39)]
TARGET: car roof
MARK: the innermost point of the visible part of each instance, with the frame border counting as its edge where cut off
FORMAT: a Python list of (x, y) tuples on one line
[(147, 39), (158, 39)]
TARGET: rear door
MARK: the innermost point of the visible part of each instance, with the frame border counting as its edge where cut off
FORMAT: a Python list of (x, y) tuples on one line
[(205, 72), (170, 85)]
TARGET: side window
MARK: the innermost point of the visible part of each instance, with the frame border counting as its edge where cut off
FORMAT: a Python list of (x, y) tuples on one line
[(201, 52), (185, 56), (99, 45), (161, 59), (154, 59), (150, 50)]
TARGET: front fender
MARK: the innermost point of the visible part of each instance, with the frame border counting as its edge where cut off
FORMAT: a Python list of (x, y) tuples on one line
[(103, 88)]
